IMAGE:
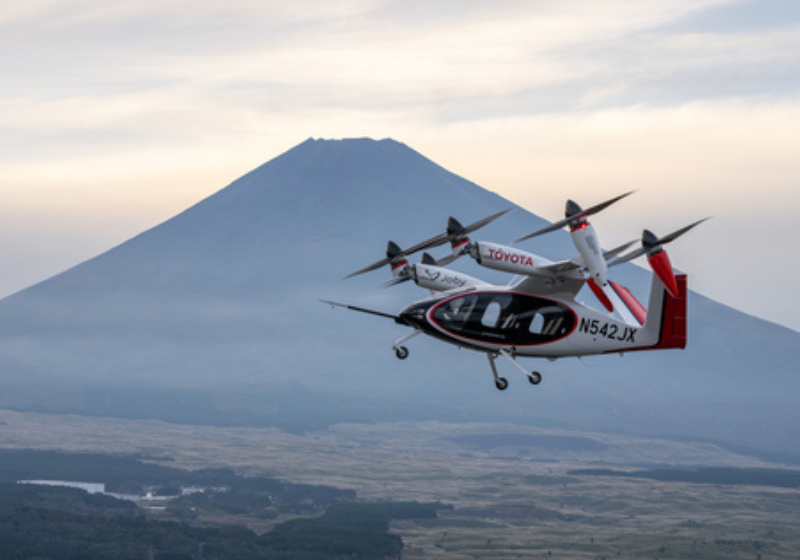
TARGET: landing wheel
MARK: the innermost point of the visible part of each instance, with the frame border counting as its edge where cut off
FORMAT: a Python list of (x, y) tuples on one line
[(535, 378), (401, 352), (501, 383)]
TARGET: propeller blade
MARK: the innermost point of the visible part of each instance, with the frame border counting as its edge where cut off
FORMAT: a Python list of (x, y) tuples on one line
[(475, 226), (652, 244), (394, 255), (574, 215), (435, 241), (395, 281), (373, 266), (629, 257), (552, 227), (444, 261), (453, 231), (608, 255), (603, 205), (440, 239), (676, 234)]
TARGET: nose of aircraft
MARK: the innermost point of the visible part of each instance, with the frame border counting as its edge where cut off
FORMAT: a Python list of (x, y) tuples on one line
[(414, 314)]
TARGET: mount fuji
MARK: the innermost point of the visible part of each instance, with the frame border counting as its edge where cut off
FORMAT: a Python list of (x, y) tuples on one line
[(214, 317)]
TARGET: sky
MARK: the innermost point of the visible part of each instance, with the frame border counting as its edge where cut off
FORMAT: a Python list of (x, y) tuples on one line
[(115, 116)]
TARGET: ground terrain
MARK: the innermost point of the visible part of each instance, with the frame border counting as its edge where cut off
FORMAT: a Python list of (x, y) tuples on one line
[(510, 487)]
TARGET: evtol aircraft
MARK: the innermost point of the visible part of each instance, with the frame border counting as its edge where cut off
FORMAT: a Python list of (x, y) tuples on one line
[(538, 316)]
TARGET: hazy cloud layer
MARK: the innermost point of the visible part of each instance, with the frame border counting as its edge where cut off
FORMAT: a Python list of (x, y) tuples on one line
[(114, 116)]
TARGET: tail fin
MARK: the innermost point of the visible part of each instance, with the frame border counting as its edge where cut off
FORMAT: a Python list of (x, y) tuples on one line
[(665, 326)]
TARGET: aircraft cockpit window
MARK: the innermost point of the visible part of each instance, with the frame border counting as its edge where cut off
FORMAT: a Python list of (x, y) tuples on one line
[(512, 318), (457, 311)]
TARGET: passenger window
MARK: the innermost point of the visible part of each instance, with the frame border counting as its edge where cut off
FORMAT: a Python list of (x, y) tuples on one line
[(552, 321), (491, 315), (537, 324)]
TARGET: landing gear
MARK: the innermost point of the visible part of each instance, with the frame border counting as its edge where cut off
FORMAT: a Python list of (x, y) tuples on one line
[(534, 377), (401, 351), (500, 382)]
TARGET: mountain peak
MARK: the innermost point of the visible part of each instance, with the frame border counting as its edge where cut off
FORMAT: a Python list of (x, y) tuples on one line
[(226, 296), (320, 192)]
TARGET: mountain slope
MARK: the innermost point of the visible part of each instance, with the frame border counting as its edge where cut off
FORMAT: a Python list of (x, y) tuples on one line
[(223, 300)]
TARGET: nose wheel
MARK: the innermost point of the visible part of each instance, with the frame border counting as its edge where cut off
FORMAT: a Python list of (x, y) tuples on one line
[(401, 351)]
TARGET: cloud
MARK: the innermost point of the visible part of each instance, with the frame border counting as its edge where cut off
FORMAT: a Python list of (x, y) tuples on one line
[(145, 107)]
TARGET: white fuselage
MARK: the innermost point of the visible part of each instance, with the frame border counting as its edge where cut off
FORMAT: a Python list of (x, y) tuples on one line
[(491, 319)]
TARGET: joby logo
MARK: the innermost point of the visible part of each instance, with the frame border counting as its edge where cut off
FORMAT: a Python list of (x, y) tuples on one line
[(513, 258), (446, 278)]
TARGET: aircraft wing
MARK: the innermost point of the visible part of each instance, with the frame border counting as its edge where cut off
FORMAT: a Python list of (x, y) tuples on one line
[(560, 277), (560, 268), (546, 285), (564, 268)]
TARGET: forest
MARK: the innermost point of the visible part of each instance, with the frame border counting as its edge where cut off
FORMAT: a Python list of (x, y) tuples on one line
[(62, 523)]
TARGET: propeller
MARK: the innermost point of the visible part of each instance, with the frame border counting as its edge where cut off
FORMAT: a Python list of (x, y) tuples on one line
[(653, 247), (428, 260), (394, 256), (454, 227), (652, 244), (455, 233), (574, 215)]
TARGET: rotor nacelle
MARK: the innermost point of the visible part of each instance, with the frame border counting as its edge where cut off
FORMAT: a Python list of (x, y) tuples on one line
[(657, 258), (659, 262), (505, 258), (585, 240), (583, 236), (456, 234)]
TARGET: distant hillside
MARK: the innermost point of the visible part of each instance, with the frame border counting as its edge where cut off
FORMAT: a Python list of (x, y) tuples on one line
[(214, 317)]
